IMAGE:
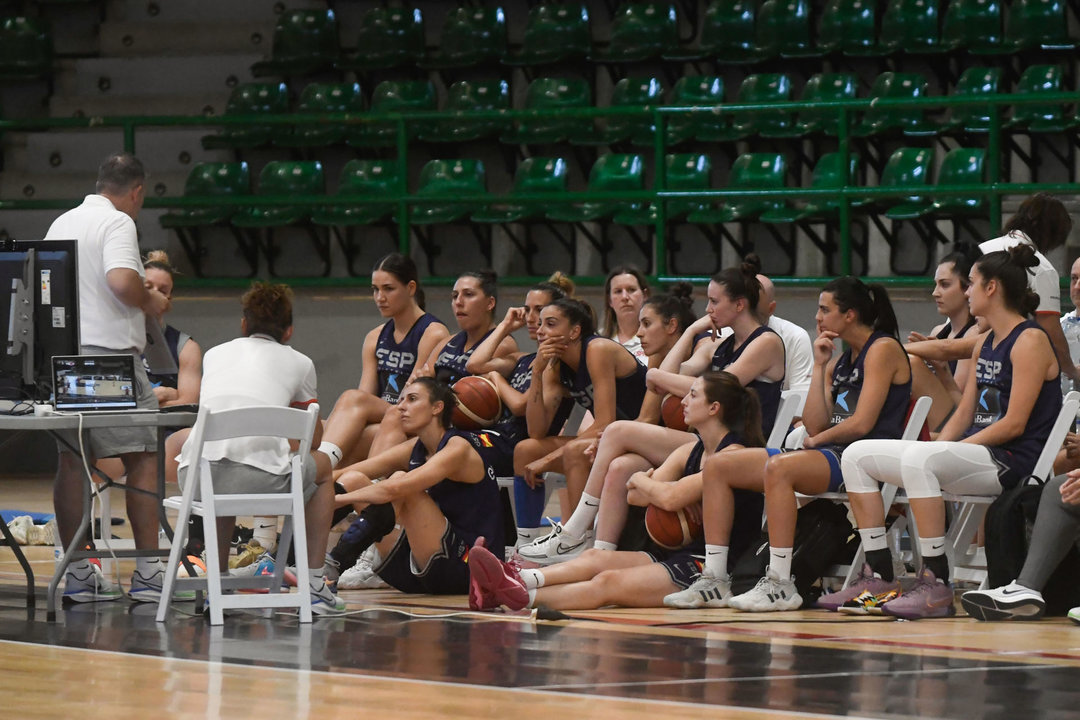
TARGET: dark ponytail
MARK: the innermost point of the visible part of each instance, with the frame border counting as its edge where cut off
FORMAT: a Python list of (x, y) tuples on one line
[(1044, 219), (741, 409), (742, 282), (870, 302), (439, 391), (489, 283), (962, 257), (677, 302), (1010, 269), (578, 313), (404, 269)]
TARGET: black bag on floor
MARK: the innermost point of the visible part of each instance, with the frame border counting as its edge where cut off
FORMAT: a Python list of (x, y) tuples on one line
[(822, 534), (1009, 522)]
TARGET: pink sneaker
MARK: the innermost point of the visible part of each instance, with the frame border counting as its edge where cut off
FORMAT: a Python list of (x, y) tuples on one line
[(928, 598), (493, 582), (865, 582)]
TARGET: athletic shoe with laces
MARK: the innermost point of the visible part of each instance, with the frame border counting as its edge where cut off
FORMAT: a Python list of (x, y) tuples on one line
[(867, 603), (555, 547), (42, 534), (247, 555), (708, 591), (771, 594), (362, 575), (19, 527), (325, 602), (867, 581), (493, 582), (1074, 614), (89, 585), (1008, 602), (928, 598), (148, 589)]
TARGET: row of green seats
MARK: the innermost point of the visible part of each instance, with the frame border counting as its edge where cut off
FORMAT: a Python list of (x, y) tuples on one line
[(26, 49), (465, 97), (730, 31), (443, 183)]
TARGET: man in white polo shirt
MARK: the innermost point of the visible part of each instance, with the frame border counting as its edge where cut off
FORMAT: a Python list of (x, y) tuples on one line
[(113, 300)]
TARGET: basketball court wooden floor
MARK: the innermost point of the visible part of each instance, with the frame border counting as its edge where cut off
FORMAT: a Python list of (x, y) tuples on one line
[(398, 656)]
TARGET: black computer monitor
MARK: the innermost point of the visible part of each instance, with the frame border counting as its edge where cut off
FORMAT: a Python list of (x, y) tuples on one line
[(39, 307)]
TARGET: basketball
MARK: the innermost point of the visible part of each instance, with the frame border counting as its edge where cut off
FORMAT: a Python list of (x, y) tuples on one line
[(478, 403), (671, 410), (673, 530)]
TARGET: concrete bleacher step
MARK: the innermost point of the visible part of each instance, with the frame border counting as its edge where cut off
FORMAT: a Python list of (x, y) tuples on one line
[(189, 39), (155, 76), (204, 10), (62, 106)]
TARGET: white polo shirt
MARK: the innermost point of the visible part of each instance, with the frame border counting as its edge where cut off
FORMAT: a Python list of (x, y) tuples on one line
[(107, 240), (254, 370), (1045, 281)]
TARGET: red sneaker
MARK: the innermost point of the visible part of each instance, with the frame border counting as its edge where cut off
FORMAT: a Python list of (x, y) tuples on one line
[(493, 582)]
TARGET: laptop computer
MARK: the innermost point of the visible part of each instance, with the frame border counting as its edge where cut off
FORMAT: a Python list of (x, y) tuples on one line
[(84, 383)]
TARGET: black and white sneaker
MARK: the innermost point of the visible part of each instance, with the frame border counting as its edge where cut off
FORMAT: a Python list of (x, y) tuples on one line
[(708, 591), (769, 595), (1008, 602), (555, 547)]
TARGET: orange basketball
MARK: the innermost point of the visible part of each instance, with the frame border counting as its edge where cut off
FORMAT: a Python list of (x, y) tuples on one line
[(478, 403), (673, 530), (671, 410)]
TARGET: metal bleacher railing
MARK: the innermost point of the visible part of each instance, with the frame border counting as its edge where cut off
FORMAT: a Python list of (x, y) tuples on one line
[(993, 189)]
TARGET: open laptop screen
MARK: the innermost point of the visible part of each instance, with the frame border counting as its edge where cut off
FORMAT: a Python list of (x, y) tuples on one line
[(94, 382)]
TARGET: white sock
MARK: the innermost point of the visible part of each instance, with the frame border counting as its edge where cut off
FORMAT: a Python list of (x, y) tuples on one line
[(532, 599), (148, 566), (932, 547), (780, 562), (581, 520), (605, 545), (716, 559), (873, 538), (332, 451), (532, 578), (81, 566), (265, 532), (316, 579)]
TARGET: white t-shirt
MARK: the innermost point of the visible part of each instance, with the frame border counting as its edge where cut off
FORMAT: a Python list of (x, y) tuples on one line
[(634, 346), (798, 353), (254, 370), (107, 240), (1045, 281)]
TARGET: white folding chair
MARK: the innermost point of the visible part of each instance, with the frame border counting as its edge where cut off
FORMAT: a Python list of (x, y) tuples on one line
[(260, 421), (790, 403)]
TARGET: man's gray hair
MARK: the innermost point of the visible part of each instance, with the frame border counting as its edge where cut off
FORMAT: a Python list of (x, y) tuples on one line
[(119, 173)]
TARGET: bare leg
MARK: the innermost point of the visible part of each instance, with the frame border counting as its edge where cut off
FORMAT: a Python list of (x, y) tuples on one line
[(173, 444), (576, 467), (651, 442), (389, 433), (743, 469), (639, 583), (611, 517), (142, 507), (68, 489), (353, 412), (805, 472)]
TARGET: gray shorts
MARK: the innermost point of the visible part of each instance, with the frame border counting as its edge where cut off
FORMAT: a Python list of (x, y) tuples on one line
[(111, 442), (235, 478)]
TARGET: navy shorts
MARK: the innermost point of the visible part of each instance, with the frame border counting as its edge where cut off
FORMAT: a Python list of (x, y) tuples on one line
[(445, 573), (832, 455), (683, 567)]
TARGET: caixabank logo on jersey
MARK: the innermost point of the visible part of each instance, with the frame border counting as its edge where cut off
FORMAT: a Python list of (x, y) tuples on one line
[(987, 407)]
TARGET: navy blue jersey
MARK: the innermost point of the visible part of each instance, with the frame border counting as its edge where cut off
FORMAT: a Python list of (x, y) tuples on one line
[(473, 509), (946, 331), (994, 378), (847, 381), (173, 339), (768, 391), (450, 365), (514, 427), (395, 361), (629, 390)]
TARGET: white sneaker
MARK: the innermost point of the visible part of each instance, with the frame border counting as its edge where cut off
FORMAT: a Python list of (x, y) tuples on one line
[(1074, 614), (325, 602), (361, 575), (1008, 602), (769, 595), (555, 547), (42, 534), (89, 585), (148, 588), (708, 591), (20, 528)]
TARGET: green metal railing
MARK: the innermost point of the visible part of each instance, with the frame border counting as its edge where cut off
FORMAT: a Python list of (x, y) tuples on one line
[(993, 189)]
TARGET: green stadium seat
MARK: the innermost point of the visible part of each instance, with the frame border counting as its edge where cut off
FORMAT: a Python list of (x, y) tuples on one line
[(784, 30), (1037, 25), (391, 96), (553, 33), (250, 99), (1039, 118), (684, 172), (210, 180), (535, 175), (463, 98), (880, 120), (761, 88), (320, 99), (727, 26), (911, 27), (640, 31), (974, 81), (960, 166), (848, 27), (973, 25), (636, 92), (305, 41), (552, 94), (26, 49), (610, 173), (471, 36), (906, 168), (284, 179), (758, 171), (821, 88), (447, 180), (388, 38), (360, 179), (695, 91)]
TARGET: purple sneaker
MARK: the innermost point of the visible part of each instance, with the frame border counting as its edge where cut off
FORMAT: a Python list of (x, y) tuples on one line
[(867, 581), (928, 598)]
